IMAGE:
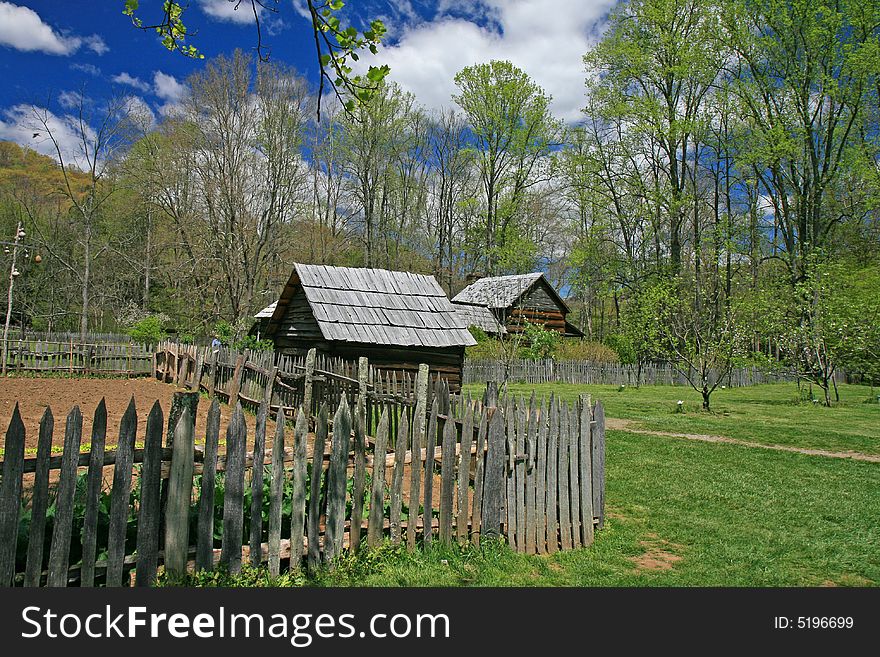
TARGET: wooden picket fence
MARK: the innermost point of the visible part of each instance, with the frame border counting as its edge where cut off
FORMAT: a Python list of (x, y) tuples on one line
[(79, 358), (521, 370), (449, 469)]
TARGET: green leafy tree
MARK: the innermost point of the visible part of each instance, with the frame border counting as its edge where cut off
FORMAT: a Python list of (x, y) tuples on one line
[(513, 133)]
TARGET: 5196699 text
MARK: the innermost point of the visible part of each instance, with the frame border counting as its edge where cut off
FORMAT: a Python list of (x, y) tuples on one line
[(813, 622)]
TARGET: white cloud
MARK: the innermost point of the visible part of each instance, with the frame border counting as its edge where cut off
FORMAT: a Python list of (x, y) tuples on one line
[(69, 99), (545, 38), (231, 12), (140, 112), (131, 81), (23, 29), (23, 124), (91, 69), (167, 88), (96, 44)]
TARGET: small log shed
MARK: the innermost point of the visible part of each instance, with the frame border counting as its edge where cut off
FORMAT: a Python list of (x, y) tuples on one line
[(396, 319), (519, 298)]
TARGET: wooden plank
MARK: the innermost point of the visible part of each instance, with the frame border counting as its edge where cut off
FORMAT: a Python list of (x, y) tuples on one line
[(237, 376), (233, 498), (447, 480), (276, 495), (563, 491), (552, 496), (119, 496), (309, 381), (430, 460), (179, 495), (148, 514), (586, 470), (494, 478), (418, 441), (93, 495), (479, 469), (397, 477), (59, 552), (531, 475), (299, 475), (10, 496), (520, 468), (257, 472), (510, 499), (315, 506), (212, 385), (574, 476), (598, 448), (464, 472), (377, 494), (39, 502), (336, 482), (205, 544), (360, 467), (541, 481)]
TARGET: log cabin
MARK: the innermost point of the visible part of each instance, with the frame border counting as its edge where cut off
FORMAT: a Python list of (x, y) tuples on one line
[(514, 300), (396, 319)]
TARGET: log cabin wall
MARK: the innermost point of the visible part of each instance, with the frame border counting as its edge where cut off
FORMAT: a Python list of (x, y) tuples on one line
[(446, 363), (537, 306)]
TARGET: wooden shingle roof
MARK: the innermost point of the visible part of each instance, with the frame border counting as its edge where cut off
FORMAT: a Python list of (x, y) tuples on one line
[(375, 306), (481, 317), (497, 292)]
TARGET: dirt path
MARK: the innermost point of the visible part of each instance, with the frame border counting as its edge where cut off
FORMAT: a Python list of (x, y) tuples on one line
[(627, 425)]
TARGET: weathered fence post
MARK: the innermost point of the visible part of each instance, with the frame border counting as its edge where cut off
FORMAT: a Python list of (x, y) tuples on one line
[(59, 552), (493, 477), (148, 514), (308, 381), (418, 439), (10, 496), (204, 549), (270, 388), (119, 496), (336, 482), (93, 495), (179, 494), (212, 388), (233, 500), (180, 401), (586, 469), (598, 458), (360, 465), (235, 386)]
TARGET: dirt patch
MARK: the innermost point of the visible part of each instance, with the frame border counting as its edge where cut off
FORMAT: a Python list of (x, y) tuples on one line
[(627, 425), (33, 395), (658, 555)]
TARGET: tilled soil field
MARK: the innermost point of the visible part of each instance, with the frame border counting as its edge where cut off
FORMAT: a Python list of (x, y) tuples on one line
[(33, 395)]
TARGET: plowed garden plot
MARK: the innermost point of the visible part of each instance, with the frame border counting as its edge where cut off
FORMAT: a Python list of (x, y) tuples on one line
[(34, 394)]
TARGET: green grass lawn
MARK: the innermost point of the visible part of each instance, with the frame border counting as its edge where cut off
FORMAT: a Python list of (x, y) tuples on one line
[(718, 515), (690, 513), (768, 414)]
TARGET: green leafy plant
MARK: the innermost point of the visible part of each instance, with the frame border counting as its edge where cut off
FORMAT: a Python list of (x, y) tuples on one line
[(148, 330)]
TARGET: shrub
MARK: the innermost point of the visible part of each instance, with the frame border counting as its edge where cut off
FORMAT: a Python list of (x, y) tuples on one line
[(251, 342), (540, 342), (148, 329), (596, 352), (225, 332)]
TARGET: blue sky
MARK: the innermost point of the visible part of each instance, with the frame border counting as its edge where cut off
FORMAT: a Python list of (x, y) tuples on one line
[(50, 50)]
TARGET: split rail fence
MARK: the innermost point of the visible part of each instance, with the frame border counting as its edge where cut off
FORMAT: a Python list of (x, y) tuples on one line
[(73, 357), (522, 370), (406, 466)]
